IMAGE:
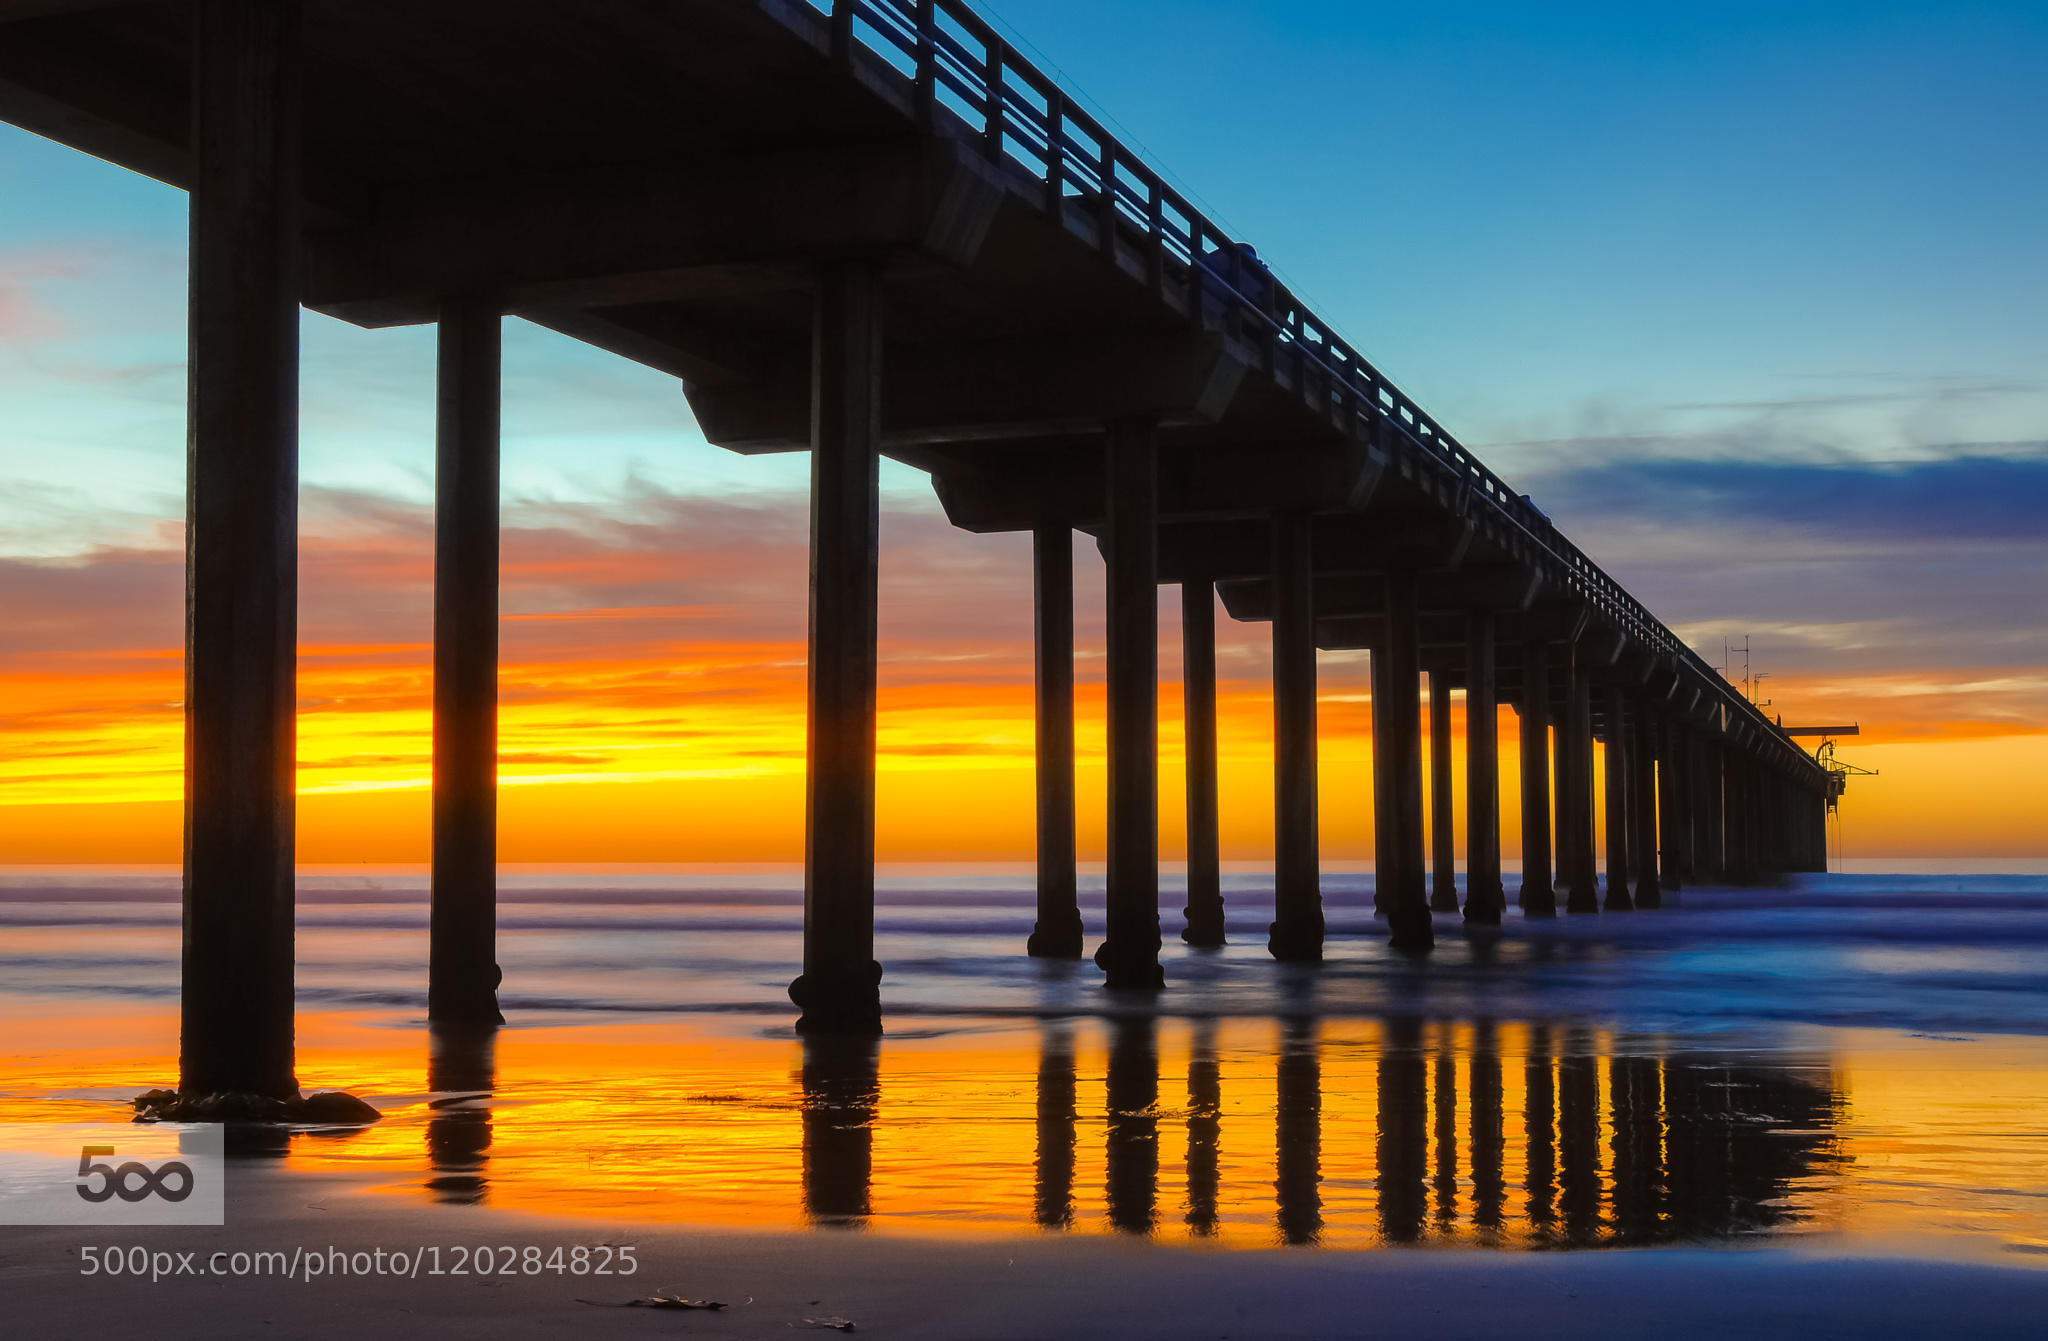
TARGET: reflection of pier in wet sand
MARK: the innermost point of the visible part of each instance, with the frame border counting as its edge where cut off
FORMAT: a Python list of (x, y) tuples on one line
[(1486, 1134)]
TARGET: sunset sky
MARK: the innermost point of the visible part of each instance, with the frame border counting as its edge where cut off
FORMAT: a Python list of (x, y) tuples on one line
[(1750, 300)]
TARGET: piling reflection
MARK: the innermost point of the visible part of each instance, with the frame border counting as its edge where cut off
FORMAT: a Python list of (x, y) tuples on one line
[(841, 1082), (1205, 1129), (1133, 1134), (1444, 1097), (1488, 1133), (1539, 1130), (1616, 1146), (1403, 1132), (1298, 1134), (1056, 1122), (1299, 1130), (462, 1072), (1578, 1127)]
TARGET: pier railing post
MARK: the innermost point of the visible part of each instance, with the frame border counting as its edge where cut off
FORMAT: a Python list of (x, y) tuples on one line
[(1616, 708), (1407, 904), (1129, 955), (1484, 897), (241, 610), (1538, 898), (1443, 842), (1057, 934), (1204, 911), (839, 991), (462, 970), (1297, 930)]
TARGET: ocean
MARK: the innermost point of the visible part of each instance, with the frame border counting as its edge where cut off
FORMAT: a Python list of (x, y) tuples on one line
[(1849, 1059)]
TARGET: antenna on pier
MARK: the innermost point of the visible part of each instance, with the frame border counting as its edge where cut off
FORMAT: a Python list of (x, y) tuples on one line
[(1751, 681)]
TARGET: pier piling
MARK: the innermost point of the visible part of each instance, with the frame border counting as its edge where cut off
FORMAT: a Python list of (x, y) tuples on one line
[(1057, 934), (1485, 900), (1129, 954), (1538, 898), (241, 609), (462, 968), (839, 991), (1297, 930)]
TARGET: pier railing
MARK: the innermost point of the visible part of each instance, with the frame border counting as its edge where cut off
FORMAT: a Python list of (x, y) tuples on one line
[(956, 74)]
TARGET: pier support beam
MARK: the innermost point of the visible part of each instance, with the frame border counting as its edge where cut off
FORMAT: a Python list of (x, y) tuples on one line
[(1407, 903), (1129, 955), (1443, 841), (1736, 861), (1643, 804), (1711, 854), (1581, 882), (1057, 933), (840, 989), (1671, 820), (241, 607), (1537, 898), (1751, 865), (1484, 898), (1678, 774), (1386, 861), (1560, 782), (1204, 911), (462, 971), (1615, 703), (1297, 930), (1820, 831)]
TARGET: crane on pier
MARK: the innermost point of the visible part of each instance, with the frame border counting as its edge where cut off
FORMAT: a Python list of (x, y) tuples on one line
[(1837, 768)]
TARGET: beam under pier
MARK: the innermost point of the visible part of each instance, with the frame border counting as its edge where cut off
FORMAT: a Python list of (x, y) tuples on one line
[(1407, 903), (1484, 898), (1204, 911), (1297, 930), (839, 991), (1129, 955), (1057, 934), (1537, 898), (1619, 900), (241, 607), (1443, 843), (462, 968)]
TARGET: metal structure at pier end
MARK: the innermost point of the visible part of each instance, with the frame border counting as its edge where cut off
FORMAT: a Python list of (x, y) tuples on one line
[(859, 228)]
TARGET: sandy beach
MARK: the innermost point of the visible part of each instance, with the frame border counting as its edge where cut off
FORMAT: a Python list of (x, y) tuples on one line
[(924, 1287)]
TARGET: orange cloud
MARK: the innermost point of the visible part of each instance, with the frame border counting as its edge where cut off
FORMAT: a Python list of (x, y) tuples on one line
[(652, 691)]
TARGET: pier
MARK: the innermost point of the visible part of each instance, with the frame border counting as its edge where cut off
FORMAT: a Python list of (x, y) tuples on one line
[(858, 229)]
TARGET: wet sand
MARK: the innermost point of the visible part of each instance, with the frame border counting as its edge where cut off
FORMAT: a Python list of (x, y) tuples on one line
[(916, 1287)]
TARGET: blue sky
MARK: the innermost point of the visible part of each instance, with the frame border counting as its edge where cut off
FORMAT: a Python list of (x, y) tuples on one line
[(1803, 239), (1548, 220)]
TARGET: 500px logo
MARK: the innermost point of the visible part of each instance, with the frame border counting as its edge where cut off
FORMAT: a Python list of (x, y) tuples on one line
[(112, 1174), (148, 1181)]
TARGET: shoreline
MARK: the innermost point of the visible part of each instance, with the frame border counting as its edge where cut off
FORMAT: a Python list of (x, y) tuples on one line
[(912, 1286)]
